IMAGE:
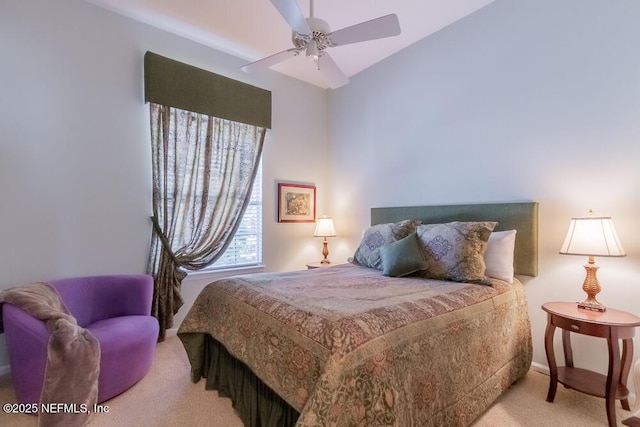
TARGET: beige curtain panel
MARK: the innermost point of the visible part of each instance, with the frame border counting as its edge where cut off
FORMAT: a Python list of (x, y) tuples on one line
[(203, 172)]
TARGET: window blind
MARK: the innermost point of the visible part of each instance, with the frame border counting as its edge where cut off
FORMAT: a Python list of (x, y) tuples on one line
[(246, 247)]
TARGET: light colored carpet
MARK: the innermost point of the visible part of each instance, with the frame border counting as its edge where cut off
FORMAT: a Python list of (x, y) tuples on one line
[(166, 397)]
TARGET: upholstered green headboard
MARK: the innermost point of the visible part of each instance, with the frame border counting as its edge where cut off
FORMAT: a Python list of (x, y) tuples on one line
[(521, 216)]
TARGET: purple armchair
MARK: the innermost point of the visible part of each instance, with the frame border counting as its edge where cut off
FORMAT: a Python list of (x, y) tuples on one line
[(115, 309)]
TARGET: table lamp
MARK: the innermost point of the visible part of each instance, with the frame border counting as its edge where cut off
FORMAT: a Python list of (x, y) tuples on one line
[(592, 236), (325, 228)]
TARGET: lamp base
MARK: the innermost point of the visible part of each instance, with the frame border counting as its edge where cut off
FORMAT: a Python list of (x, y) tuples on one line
[(591, 286), (325, 252), (592, 306)]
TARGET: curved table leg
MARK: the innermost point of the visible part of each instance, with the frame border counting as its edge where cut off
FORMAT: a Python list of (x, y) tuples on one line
[(627, 357), (613, 376), (551, 359), (566, 346), (636, 382)]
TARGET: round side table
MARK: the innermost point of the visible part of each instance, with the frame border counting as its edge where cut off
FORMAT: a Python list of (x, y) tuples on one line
[(613, 325), (311, 265)]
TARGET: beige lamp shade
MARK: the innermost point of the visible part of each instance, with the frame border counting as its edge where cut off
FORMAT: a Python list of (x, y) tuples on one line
[(592, 236), (324, 228)]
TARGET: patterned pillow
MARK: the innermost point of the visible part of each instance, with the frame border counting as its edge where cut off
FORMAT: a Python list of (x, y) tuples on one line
[(455, 250), (368, 253)]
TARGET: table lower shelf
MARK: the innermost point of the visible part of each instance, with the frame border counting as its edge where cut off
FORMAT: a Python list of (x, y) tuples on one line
[(588, 382), (632, 422)]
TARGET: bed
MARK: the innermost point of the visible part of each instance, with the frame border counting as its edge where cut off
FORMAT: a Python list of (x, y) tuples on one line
[(349, 346)]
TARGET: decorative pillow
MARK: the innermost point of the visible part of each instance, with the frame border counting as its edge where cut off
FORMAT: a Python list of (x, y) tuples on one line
[(455, 250), (499, 255), (402, 257), (375, 237)]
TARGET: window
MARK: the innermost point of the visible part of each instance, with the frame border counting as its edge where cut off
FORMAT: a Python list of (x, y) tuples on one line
[(246, 247), (207, 163)]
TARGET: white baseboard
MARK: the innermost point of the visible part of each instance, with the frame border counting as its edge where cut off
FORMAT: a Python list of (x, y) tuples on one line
[(543, 369)]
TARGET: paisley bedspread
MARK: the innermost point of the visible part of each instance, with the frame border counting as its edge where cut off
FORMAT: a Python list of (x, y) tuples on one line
[(347, 346)]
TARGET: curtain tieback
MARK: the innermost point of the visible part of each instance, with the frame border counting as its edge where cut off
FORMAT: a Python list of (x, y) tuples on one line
[(163, 239)]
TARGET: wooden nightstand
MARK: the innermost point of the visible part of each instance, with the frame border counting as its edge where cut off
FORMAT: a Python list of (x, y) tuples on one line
[(311, 265), (613, 325)]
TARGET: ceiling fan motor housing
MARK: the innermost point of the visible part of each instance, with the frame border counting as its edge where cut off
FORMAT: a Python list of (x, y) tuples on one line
[(319, 30)]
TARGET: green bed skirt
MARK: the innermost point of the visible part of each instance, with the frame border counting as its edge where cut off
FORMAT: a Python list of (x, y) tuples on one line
[(256, 404)]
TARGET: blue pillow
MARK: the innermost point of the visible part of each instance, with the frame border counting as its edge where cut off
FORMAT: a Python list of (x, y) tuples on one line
[(402, 257)]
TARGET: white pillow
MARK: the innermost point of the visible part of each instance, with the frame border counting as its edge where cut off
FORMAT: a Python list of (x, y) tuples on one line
[(498, 257)]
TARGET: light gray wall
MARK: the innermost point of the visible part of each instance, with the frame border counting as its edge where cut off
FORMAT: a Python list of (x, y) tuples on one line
[(522, 100), (75, 166)]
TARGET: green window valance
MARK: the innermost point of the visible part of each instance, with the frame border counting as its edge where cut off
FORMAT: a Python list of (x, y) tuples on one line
[(175, 84)]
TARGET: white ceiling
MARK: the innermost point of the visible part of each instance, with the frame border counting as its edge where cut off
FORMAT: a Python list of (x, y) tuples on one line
[(253, 29)]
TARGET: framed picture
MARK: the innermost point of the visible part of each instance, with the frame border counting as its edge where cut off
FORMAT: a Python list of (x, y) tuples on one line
[(296, 203)]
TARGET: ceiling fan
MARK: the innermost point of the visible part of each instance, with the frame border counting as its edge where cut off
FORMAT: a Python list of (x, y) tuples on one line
[(313, 35)]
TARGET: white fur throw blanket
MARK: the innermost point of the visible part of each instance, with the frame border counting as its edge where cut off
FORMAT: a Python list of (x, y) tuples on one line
[(73, 355)]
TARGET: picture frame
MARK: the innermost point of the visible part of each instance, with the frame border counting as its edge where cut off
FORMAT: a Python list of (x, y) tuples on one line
[(296, 203)]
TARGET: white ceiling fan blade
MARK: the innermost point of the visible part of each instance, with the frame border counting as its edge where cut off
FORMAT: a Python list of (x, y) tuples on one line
[(385, 26), (291, 13), (269, 61), (331, 72)]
